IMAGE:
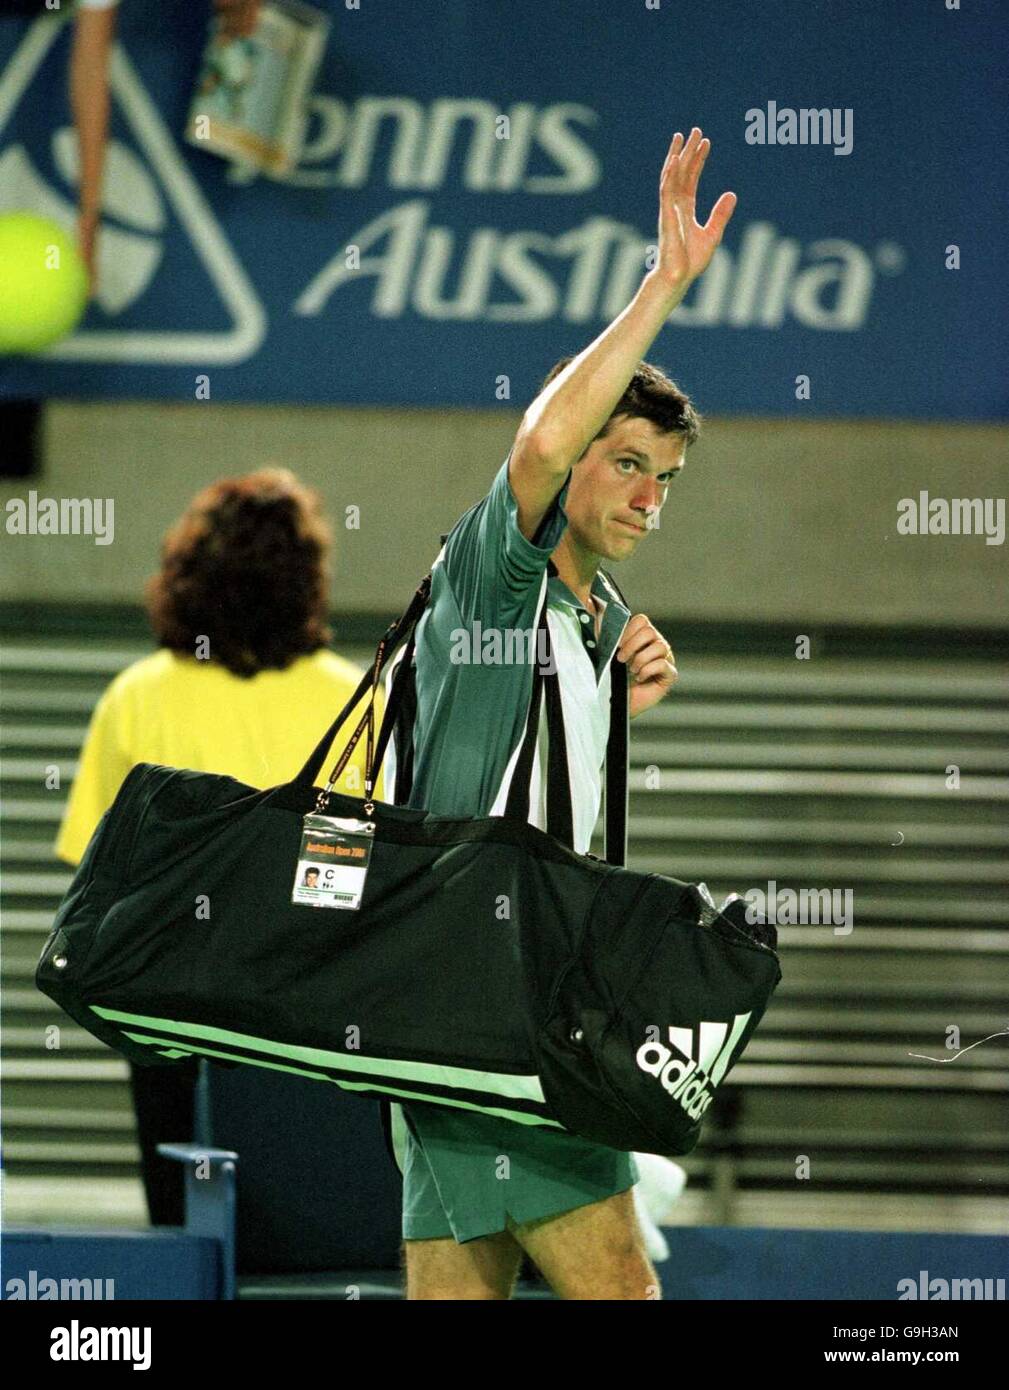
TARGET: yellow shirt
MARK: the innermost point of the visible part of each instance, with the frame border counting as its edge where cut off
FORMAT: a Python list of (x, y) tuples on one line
[(181, 712)]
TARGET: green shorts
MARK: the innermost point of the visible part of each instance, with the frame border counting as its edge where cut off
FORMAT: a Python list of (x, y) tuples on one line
[(465, 1173)]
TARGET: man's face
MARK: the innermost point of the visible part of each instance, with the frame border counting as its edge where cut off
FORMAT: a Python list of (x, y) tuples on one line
[(620, 484)]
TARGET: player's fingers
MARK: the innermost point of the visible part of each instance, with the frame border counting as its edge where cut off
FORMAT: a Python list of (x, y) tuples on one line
[(697, 164), (690, 149), (658, 649), (720, 215), (628, 649), (676, 145), (655, 670), (650, 652), (672, 157), (681, 183), (631, 637), (631, 651)]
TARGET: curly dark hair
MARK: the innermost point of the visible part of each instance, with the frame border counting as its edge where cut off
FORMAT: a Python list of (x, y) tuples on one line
[(246, 567), (652, 395)]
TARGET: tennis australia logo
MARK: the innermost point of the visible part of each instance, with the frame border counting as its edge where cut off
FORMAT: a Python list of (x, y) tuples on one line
[(145, 180), (412, 261), (695, 1062)]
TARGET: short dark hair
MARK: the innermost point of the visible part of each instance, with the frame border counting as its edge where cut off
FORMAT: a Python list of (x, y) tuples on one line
[(652, 395), (245, 566)]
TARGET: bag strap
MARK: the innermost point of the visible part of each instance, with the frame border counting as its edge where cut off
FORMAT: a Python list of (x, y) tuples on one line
[(394, 635), (545, 682), (403, 740), (615, 834), (545, 685)]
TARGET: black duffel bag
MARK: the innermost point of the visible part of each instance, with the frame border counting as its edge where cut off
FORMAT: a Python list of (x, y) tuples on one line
[(488, 966)]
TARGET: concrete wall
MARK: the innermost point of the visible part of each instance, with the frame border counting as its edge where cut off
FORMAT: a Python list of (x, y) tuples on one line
[(771, 520)]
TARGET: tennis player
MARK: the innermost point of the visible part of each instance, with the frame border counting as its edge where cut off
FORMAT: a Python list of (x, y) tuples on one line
[(584, 482)]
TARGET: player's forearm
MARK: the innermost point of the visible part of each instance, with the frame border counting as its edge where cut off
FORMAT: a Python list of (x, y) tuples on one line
[(567, 415), (89, 99)]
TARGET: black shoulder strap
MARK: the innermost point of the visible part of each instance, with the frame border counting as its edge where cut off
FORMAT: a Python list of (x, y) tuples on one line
[(545, 683), (615, 842), (403, 737), (395, 634)]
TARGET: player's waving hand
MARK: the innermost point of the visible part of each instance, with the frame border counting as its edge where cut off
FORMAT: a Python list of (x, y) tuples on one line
[(685, 247)]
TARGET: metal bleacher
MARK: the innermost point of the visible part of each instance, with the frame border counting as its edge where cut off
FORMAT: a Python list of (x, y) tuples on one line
[(884, 775)]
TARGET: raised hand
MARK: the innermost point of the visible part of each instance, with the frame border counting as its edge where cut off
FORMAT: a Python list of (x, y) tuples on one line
[(685, 247), (650, 660)]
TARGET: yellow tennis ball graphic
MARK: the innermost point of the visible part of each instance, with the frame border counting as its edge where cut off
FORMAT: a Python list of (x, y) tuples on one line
[(43, 283)]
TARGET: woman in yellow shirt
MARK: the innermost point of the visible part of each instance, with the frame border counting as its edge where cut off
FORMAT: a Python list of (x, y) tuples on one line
[(243, 684)]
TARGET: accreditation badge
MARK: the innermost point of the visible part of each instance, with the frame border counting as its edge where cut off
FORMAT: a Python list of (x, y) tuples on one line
[(333, 862)]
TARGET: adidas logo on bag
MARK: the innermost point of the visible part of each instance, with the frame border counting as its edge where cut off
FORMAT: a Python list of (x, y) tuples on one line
[(691, 1077)]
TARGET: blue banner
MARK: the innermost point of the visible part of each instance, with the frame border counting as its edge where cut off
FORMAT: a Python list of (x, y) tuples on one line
[(476, 196)]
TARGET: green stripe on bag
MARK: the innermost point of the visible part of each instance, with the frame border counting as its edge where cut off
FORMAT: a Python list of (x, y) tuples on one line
[(498, 1083), (197, 1051)]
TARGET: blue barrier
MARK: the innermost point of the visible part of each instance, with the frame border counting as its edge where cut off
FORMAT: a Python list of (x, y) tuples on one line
[(109, 1265), (731, 1263), (196, 1261)]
